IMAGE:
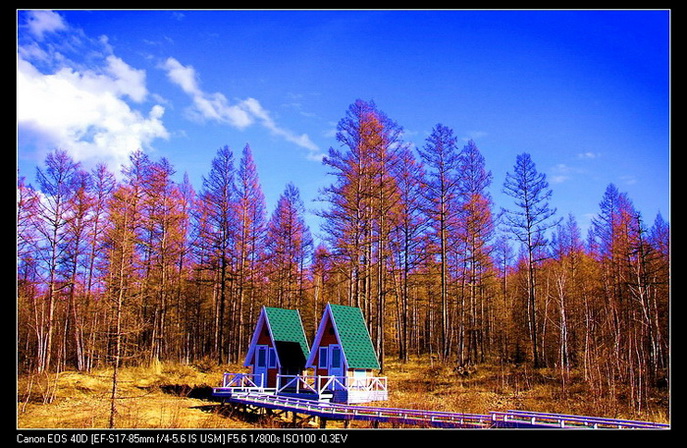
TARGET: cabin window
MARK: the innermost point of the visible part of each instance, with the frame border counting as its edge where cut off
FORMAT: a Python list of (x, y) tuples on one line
[(271, 358), (261, 361), (336, 356), (322, 361)]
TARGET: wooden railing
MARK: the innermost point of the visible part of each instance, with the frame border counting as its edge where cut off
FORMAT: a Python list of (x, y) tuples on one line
[(547, 420), (242, 381), (508, 419), (369, 383), (321, 383), (296, 383), (309, 383)]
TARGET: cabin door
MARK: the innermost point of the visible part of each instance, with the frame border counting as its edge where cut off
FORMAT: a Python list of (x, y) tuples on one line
[(260, 367), (336, 365)]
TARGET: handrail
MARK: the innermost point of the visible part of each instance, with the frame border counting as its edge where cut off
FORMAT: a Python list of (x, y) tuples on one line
[(369, 383), (567, 420), (321, 383), (418, 416), (296, 382), (241, 380), (330, 382), (310, 383)]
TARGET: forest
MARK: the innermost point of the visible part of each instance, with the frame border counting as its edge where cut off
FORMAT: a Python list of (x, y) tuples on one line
[(131, 268)]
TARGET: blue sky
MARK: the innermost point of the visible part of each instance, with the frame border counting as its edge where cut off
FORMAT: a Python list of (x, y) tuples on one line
[(586, 93)]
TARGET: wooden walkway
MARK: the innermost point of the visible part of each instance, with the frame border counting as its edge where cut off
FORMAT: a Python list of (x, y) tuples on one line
[(526, 419), (511, 419)]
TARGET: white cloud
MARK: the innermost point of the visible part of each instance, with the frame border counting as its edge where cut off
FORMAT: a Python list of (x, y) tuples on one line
[(628, 179), (558, 179), (84, 112), (40, 22), (216, 107), (127, 80), (184, 77), (588, 155), (213, 106), (263, 116), (474, 135), (560, 173)]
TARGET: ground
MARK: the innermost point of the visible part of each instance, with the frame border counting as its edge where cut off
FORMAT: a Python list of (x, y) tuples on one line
[(172, 396)]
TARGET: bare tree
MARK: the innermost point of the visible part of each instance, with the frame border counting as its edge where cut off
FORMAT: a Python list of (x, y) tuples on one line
[(528, 223), (440, 156), (218, 196), (287, 248), (251, 218), (57, 187)]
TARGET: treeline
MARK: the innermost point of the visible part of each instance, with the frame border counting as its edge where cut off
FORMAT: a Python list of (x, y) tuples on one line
[(138, 268)]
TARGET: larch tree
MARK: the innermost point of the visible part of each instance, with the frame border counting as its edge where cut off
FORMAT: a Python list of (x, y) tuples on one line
[(440, 156), (363, 202), (322, 271), (28, 277), (202, 295), (219, 196), (475, 227), (123, 275), (78, 228), (164, 221), (57, 185), (659, 277), (528, 222), (183, 297), (632, 321), (611, 231), (406, 242), (287, 248), (503, 255), (567, 250), (103, 186), (251, 218), (348, 220)]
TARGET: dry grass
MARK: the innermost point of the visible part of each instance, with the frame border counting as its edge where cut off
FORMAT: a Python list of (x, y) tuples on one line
[(158, 396), (417, 385), (82, 400)]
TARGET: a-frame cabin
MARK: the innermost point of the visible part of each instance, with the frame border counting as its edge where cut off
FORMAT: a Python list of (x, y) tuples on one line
[(278, 346), (343, 348)]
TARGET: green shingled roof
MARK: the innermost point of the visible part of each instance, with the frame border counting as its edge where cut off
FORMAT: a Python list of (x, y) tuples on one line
[(286, 326), (354, 338)]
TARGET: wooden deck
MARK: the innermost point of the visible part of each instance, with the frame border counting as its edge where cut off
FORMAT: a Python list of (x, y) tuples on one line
[(238, 383), (509, 419), (331, 398), (338, 389), (335, 411)]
